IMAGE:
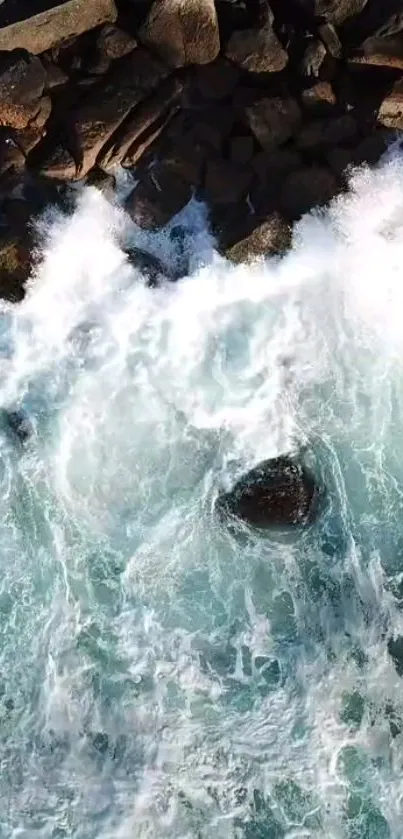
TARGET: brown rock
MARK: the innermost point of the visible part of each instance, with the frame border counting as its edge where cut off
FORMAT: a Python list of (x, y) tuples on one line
[(273, 121), (212, 126), (241, 149), (56, 163), (113, 42), (307, 188), (320, 98), (104, 110), (257, 50), (144, 125), (157, 198), (217, 80), (336, 11), (11, 156), (15, 266), (331, 40), (41, 32), (390, 112), (54, 75), (271, 236), (313, 58), (104, 181), (182, 31), (381, 52), (22, 81), (183, 155), (224, 182)]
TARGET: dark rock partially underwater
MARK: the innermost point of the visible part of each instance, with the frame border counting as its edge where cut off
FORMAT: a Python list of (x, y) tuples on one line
[(276, 493)]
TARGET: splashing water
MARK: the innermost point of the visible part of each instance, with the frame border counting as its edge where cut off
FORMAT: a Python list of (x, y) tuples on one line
[(159, 676)]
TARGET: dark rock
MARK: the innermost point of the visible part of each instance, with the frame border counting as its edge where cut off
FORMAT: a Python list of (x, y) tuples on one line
[(273, 121), (339, 159), (11, 156), (158, 198), (307, 188), (56, 163), (217, 80), (274, 165), (390, 112), (55, 77), (183, 154), (18, 424), (321, 133), (113, 42), (225, 182), (336, 11), (41, 32), (241, 149), (22, 82), (257, 50), (212, 126), (272, 236), (395, 650), (277, 492), (313, 58), (15, 265), (104, 181), (146, 123), (330, 38), (377, 19), (149, 266), (182, 31), (371, 148), (102, 113)]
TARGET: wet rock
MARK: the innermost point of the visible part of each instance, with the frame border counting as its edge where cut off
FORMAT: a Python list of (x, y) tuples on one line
[(277, 492), (182, 31), (41, 32), (273, 121), (15, 265), (149, 266), (22, 82), (55, 162), (380, 52), (272, 236), (18, 424), (257, 50), (104, 181), (372, 147), (307, 188), (313, 58), (390, 112), (395, 650), (11, 156), (141, 129), (158, 198), (339, 159), (330, 38), (319, 99)]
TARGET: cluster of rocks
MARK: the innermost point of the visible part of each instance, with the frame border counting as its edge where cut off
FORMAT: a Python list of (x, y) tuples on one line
[(257, 107)]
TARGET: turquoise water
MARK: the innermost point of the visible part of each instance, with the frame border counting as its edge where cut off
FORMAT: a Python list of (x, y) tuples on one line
[(160, 676)]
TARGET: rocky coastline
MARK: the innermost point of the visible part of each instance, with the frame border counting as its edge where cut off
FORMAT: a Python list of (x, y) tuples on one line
[(258, 108)]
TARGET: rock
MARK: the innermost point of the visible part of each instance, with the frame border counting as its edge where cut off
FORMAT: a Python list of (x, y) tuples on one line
[(272, 236), (307, 188), (321, 133), (41, 32), (371, 148), (158, 198), (212, 126), (139, 130), (225, 182), (331, 40), (257, 50), (113, 42), (149, 266), (319, 99), (241, 149), (55, 76), (55, 162), (11, 156), (376, 20), (380, 52), (395, 650), (18, 424), (22, 82), (217, 80), (273, 121), (278, 492), (390, 112), (102, 112), (183, 154), (336, 11), (182, 32), (339, 159), (15, 266), (313, 58), (104, 181)]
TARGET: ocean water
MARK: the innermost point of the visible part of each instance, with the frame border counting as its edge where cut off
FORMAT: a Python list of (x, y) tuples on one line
[(160, 676)]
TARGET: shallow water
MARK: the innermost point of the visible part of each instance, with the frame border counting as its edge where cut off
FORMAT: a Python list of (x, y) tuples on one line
[(160, 676)]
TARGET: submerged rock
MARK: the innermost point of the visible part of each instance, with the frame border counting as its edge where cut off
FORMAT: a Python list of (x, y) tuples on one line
[(18, 424), (277, 492), (149, 266)]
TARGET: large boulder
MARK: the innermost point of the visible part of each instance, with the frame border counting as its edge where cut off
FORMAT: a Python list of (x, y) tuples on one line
[(278, 492), (337, 11), (22, 83), (149, 266), (273, 120), (257, 50), (41, 32), (157, 198), (182, 31), (307, 188), (390, 112), (271, 237)]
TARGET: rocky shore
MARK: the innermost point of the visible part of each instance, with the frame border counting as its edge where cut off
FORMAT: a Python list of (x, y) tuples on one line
[(258, 108)]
